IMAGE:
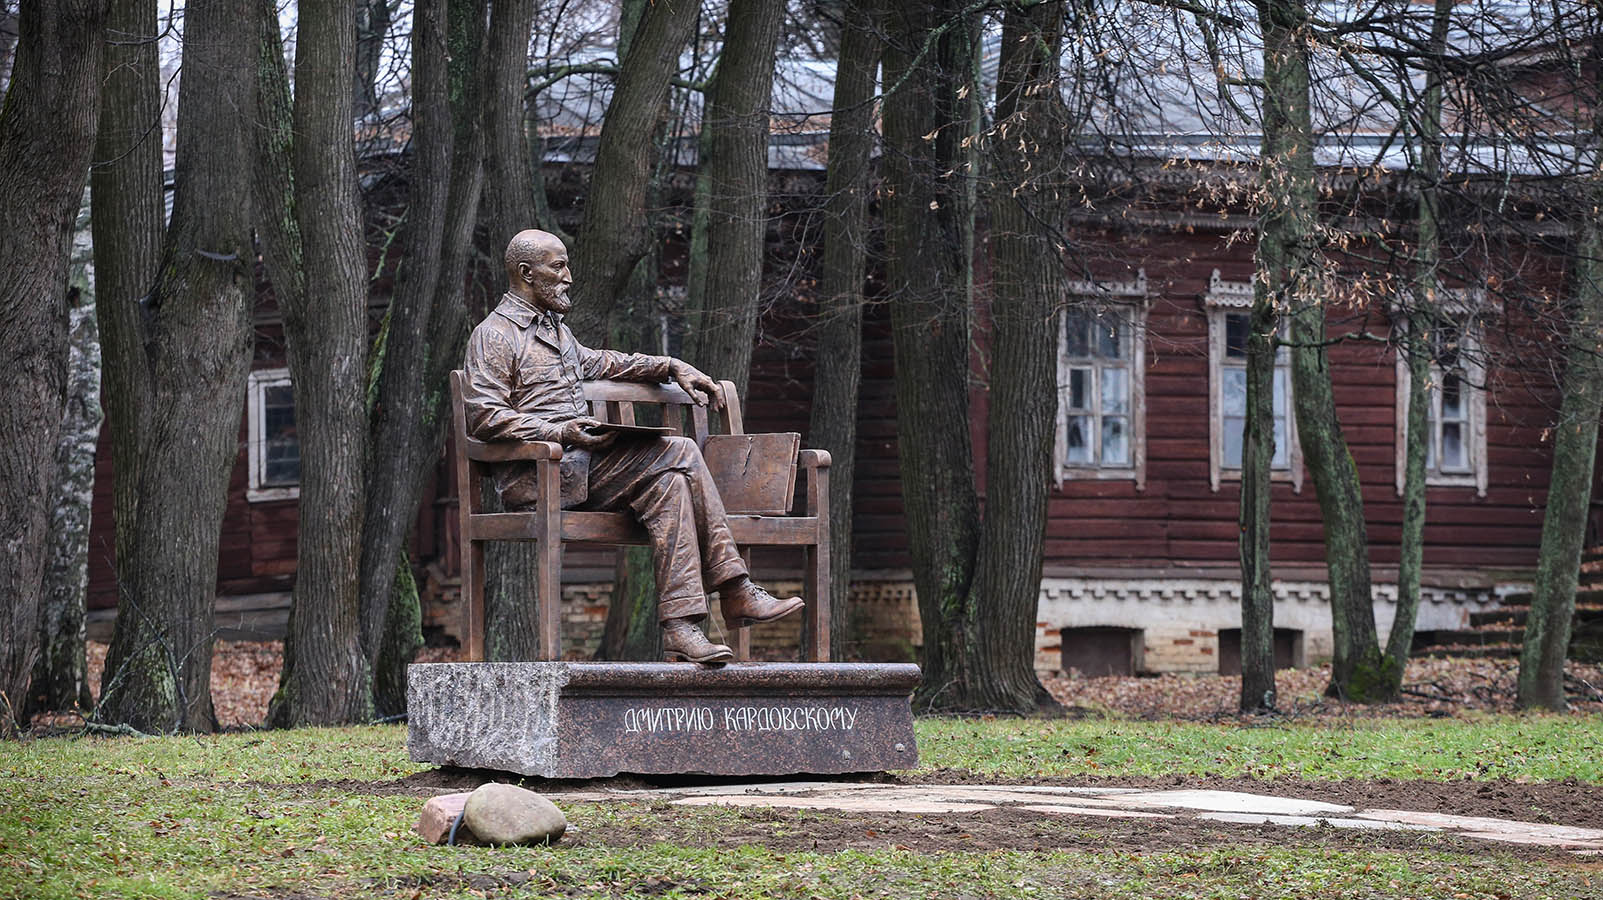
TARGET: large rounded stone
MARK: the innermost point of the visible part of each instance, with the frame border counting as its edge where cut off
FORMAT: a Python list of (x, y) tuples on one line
[(508, 814)]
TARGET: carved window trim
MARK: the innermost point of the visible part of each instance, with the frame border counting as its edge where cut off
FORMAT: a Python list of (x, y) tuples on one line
[(1129, 299), (258, 490), (1221, 299), (1465, 307)]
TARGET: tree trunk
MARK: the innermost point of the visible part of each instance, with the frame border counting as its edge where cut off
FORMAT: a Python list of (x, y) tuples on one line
[(1026, 206), (613, 237), (1416, 347), (427, 330), (1286, 269), (844, 235), (1258, 451), (60, 679), (512, 631), (650, 37), (1411, 544), (632, 630), (511, 206), (8, 45), (732, 178), (47, 137), (373, 19), (1558, 562), (1289, 265), (272, 187), (1358, 670), (928, 224), (128, 223), (193, 342), (402, 639), (326, 677)]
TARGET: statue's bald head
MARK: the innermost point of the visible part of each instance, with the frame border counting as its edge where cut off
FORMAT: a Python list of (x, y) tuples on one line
[(531, 246), (537, 269)]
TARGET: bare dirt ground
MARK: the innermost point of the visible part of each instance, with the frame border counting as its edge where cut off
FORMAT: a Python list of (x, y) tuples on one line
[(1013, 829), (245, 674)]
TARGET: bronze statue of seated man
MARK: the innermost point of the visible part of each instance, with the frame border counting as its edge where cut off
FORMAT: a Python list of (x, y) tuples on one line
[(524, 373)]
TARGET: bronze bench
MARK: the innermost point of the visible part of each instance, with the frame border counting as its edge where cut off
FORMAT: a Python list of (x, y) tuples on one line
[(549, 526)]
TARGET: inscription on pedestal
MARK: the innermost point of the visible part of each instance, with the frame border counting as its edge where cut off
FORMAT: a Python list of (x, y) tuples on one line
[(582, 720), (740, 718)]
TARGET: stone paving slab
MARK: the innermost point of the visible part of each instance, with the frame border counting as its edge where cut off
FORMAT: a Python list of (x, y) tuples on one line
[(999, 794), (1312, 821), (1067, 810), (1229, 807), (838, 802), (1506, 830), (767, 787), (1234, 801)]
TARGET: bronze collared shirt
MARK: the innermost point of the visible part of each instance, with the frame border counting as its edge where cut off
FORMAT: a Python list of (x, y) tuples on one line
[(524, 373)]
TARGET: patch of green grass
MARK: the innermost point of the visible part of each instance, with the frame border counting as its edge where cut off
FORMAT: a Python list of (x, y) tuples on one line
[(370, 753), (1541, 748), (274, 814), (132, 837)]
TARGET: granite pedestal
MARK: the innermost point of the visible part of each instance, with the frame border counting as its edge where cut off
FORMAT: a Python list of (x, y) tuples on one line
[(592, 720)]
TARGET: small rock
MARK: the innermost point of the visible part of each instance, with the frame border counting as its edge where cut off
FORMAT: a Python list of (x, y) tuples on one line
[(439, 814), (507, 814)]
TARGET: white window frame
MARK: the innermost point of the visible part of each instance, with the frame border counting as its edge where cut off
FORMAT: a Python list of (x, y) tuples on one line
[(1465, 307), (256, 431), (1223, 298), (1128, 298)]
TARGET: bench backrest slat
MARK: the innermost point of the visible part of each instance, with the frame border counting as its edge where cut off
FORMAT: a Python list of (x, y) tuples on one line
[(618, 401)]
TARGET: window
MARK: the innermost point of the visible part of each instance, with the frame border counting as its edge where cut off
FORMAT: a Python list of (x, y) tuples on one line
[(1455, 447), (274, 448), (1101, 427), (1229, 305)]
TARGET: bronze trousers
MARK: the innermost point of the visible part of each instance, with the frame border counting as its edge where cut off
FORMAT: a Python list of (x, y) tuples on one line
[(666, 483)]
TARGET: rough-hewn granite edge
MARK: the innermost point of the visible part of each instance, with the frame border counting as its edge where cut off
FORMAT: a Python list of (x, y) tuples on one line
[(484, 715), (557, 726)]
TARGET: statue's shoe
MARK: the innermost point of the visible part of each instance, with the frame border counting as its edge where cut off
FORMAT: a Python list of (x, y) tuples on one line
[(682, 640), (747, 604)]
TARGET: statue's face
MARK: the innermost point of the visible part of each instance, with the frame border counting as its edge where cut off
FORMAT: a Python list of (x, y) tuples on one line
[(549, 277)]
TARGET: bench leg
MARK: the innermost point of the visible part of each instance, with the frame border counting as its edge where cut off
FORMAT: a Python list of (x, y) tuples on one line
[(741, 637), (815, 589), (548, 598), (815, 567), (473, 602)]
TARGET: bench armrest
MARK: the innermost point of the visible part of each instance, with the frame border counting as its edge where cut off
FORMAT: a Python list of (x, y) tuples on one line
[(510, 451), (813, 459)]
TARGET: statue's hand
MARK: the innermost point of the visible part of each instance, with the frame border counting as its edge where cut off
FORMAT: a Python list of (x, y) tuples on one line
[(694, 382), (578, 433)]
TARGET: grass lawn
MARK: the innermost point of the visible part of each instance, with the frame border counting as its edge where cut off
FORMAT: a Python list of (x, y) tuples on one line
[(325, 813)]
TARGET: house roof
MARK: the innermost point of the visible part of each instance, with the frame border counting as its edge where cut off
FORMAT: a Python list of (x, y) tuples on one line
[(1169, 86)]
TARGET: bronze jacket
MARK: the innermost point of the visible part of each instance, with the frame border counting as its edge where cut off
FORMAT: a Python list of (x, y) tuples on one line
[(524, 373)]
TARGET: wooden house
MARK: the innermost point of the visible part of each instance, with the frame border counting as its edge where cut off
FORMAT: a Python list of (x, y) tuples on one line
[(1141, 566)]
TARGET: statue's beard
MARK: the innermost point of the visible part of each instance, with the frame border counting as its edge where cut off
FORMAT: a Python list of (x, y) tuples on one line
[(555, 299)]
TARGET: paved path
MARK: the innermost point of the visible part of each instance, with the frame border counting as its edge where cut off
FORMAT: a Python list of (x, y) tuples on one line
[(1124, 803)]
